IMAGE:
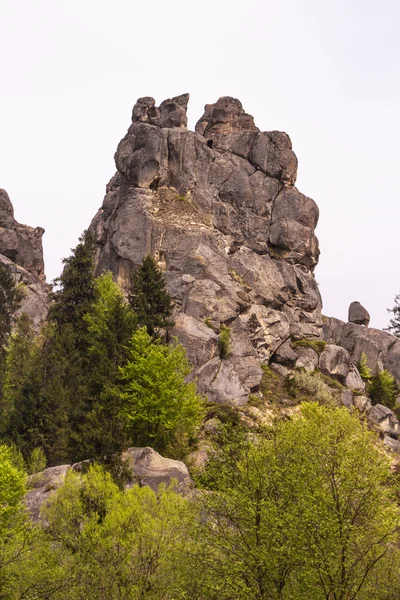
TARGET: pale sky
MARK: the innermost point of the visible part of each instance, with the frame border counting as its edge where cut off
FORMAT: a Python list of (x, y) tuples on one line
[(324, 71)]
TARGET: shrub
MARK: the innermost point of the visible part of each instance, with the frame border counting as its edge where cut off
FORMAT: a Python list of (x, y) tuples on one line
[(383, 389), (313, 385), (317, 345), (271, 384), (224, 341), (363, 368)]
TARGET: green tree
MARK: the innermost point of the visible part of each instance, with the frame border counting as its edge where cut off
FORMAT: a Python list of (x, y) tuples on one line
[(158, 403), (77, 289), (10, 298), (383, 389), (110, 324), (363, 368), (309, 513), (14, 531), (394, 323), (38, 388), (123, 544), (149, 299)]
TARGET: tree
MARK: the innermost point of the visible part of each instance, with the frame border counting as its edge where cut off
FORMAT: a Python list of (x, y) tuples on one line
[(110, 324), (383, 389), (394, 323), (123, 544), (14, 530), (10, 298), (149, 299), (39, 386), (307, 512), (157, 402), (77, 289)]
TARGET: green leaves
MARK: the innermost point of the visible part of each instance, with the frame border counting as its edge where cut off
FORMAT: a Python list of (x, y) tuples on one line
[(157, 400)]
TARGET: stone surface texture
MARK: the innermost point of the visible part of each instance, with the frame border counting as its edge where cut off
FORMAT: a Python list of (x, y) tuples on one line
[(219, 210), (21, 252), (358, 314)]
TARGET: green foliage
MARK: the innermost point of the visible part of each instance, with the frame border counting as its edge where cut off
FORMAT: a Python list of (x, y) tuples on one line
[(317, 345), (157, 402), (77, 288), (271, 385), (307, 511), (110, 543), (313, 385), (10, 298), (36, 399), (383, 389), (149, 299), (363, 368), (224, 341), (13, 520)]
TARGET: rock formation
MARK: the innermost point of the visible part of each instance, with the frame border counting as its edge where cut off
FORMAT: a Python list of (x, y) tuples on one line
[(21, 250), (147, 467), (358, 314), (219, 209)]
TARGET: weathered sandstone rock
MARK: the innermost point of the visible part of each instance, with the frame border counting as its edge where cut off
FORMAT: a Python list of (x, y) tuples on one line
[(358, 314), (219, 211), (21, 252)]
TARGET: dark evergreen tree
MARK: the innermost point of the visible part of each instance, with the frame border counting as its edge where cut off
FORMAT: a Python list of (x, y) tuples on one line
[(77, 288), (111, 322), (10, 298), (394, 324), (149, 298)]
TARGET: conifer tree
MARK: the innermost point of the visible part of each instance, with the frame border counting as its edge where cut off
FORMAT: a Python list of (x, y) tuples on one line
[(394, 324), (110, 322), (77, 288), (149, 298), (10, 298)]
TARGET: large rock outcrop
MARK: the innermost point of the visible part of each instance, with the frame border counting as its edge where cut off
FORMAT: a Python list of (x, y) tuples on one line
[(21, 252), (219, 210)]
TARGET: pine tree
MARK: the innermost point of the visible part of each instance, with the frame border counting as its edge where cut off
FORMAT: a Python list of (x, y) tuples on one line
[(149, 298), (394, 324), (10, 298), (77, 289), (111, 323)]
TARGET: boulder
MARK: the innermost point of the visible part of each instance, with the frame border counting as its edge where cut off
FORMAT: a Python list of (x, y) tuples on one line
[(151, 469), (335, 361), (383, 419), (43, 484), (358, 314)]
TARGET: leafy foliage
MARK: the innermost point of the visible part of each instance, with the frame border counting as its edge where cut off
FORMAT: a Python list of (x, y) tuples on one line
[(363, 368), (157, 402), (383, 389), (149, 298), (317, 345)]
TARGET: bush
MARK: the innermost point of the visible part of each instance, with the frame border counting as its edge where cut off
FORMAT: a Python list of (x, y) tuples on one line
[(224, 341), (363, 368), (313, 385), (317, 345), (383, 389)]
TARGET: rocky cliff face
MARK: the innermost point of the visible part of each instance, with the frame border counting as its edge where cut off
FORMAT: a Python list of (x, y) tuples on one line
[(21, 250), (219, 209)]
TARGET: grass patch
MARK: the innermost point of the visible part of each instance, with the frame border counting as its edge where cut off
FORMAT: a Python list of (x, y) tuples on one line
[(317, 345), (271, 385)]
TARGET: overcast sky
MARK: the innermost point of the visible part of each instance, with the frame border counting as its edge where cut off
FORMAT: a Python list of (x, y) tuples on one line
[(324, 71)]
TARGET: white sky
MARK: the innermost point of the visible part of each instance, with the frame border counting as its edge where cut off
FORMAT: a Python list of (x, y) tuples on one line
[(324, 71)]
